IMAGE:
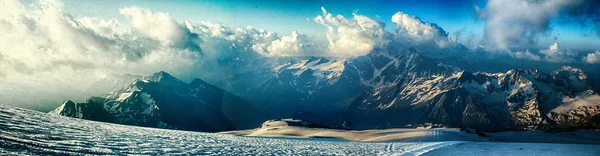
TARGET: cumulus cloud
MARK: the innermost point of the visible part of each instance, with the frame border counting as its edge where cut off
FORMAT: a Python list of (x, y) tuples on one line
[(244, 37), (160, 26), (517, 23), (411, 29), (352, 37), (224, 39), (556, 54), (592, 58), (526, 55), (43, 38), (291, 45)]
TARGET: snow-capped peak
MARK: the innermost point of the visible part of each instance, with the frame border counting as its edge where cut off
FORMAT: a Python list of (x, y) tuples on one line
[(61, 107), (160, 77), (571, 71), (322, 68)]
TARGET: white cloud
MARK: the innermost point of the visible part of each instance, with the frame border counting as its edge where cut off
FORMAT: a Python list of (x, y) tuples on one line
[(556, 54), (221, 39), (553, 47), (159, 26), (516, 23), (526, 55), (291, 45), (43, 46), (592, 58), (352, 37), (413, 31)]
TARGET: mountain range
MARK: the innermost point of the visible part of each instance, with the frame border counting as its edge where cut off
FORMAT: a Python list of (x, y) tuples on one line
[(383, 89), (163, 101)]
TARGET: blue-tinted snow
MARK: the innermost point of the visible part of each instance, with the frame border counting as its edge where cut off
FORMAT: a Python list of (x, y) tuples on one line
[(29, 132)]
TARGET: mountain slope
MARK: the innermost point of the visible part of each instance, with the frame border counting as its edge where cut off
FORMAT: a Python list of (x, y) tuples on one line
[(161, 100), (385, 89), (313, 84), (517, 99)]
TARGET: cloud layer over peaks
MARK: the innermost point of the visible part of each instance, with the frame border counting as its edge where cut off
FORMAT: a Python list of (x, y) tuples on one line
[(353, 37), (411, 30), (295, 44), (161, 27), (45, 39)]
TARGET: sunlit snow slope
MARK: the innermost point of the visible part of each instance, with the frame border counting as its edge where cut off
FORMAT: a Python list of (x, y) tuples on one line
[(29, 132)]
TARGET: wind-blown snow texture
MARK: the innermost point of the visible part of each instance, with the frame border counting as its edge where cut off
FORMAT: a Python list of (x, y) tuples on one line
[(29, 132)]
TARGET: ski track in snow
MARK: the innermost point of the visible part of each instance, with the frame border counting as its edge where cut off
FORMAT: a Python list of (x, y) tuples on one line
[(29, 132)]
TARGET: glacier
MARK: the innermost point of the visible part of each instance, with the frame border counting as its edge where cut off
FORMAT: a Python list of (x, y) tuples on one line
[(28, 132)]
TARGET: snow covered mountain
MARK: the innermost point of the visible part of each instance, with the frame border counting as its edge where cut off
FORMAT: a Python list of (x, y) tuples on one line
[(383, 89), (314, 83), (517, 99), (387, 89), (161, 100)]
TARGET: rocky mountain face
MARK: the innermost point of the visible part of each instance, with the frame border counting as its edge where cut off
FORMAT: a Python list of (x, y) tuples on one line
[(392, 89), (313, 84), (163, 101), (517, 99)]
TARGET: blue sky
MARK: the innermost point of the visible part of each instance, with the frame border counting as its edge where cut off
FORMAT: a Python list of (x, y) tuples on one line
[(285, 16)]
